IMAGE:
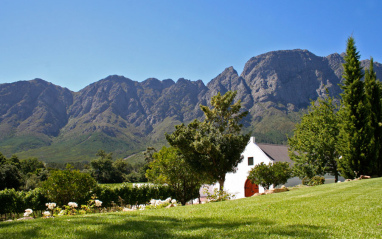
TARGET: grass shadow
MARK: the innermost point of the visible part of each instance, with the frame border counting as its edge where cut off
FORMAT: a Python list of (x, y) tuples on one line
[(125, 225)]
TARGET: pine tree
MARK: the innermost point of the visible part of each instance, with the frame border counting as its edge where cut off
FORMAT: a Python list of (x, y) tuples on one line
[(374, 108), (354, 134)]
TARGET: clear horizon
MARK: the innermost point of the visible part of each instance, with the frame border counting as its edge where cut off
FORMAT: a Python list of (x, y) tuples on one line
[(75, 43)]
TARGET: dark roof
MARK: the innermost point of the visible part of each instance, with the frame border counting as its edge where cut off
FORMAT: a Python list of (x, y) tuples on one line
[(278, 153)]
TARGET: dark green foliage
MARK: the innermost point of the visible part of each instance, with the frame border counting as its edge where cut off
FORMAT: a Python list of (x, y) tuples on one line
[(133, 195), (313, 146), (2, 159), (13, 201), (22, 174), (169, 166), (10, 177), (374, 107), (64, 186), (270, 174), (214, 146), (104, 170), (31, 165), (355, 134), (14, 160)]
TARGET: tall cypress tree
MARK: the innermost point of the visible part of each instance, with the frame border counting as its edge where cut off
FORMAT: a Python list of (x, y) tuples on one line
[(374, 108), (354, 134)]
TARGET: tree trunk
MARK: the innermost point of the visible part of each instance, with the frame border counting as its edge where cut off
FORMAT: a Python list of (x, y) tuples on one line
[(221, 183)]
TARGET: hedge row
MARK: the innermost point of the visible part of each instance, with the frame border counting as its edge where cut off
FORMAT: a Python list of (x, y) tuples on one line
[(13, 201)]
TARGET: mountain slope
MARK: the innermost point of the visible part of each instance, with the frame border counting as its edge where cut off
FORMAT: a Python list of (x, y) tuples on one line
[(123, 116)]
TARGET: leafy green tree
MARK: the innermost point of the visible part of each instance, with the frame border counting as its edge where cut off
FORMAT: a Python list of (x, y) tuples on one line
[(143, 167), (354, 135), (3, 159), (270, 174), (102, 169), (313, 146), (10, 174), (10, 177), (31, 165), (213, 146), (13, 160), (34, 172), (170, 167), (122, 168), (374, 107), (69, 185)]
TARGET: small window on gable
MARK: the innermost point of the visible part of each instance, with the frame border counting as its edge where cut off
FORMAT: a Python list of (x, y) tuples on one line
[(250, 161)]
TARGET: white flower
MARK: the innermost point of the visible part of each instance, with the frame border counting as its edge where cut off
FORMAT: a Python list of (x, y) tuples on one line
[(28, 212), (98, 203), (46, 214), (168, 200), (173, 201), (153, 202), (50, 205), (72, 204)]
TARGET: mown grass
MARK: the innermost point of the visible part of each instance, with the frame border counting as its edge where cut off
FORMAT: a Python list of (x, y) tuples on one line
[(343, 210)]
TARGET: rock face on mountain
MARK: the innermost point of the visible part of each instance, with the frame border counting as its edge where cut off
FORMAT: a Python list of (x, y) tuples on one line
[(119, 113), (289, 77), (33, 107)]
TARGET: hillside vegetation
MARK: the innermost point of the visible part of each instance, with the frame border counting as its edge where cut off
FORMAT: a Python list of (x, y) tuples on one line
[(343, 210)]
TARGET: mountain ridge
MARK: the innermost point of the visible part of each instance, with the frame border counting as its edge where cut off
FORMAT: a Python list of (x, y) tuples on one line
[(117, 114)]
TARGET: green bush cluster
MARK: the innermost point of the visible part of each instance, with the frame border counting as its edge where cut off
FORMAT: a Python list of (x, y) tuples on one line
[(314, 181), (127, 195), (13, 201)]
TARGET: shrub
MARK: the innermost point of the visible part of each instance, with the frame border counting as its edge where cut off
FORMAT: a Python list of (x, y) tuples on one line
[(267, 174), (314, 181), (218, 195), (68, 185)]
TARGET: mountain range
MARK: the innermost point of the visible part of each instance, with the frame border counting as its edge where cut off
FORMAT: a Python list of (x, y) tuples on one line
[(119, 115)]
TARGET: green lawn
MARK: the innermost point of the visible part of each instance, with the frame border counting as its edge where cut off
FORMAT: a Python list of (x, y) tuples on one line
[(343, 210)]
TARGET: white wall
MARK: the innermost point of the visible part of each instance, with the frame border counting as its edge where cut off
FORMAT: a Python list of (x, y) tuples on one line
[(234, 182)]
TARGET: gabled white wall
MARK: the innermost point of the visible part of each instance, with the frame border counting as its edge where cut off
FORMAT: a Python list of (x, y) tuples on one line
[(234, 182)]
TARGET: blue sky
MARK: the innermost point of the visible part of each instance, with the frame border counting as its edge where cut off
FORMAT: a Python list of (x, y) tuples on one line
[(75, 43)]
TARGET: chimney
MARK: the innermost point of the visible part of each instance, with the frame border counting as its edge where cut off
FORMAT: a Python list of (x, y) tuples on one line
[(252, 140)]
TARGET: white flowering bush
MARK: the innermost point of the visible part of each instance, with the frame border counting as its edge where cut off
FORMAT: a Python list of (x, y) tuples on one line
[(72, 204), (28, 212), (97, 203), (157, 203), (218, 195), (46, 214), (51, 205)]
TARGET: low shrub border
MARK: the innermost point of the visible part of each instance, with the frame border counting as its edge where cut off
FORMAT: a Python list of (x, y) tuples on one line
[(15, 202)]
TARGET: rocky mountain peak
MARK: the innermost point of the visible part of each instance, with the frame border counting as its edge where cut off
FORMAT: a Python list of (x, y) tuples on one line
[(118, 114)]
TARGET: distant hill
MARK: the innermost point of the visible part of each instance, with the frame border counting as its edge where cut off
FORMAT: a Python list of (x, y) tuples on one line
[(123, 116)]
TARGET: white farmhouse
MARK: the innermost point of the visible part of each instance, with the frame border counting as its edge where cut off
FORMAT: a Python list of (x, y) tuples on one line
[(237, 183)]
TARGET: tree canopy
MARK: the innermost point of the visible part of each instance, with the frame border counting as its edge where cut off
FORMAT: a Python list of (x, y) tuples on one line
[(267, 175), (348, 141), (355, 133), (213, 146), (313, 146), (169, 167)]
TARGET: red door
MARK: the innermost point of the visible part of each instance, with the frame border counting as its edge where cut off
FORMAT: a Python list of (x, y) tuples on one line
[(250, 188)]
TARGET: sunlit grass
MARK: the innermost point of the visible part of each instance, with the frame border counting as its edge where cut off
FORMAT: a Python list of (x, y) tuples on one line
[(343, 210)]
